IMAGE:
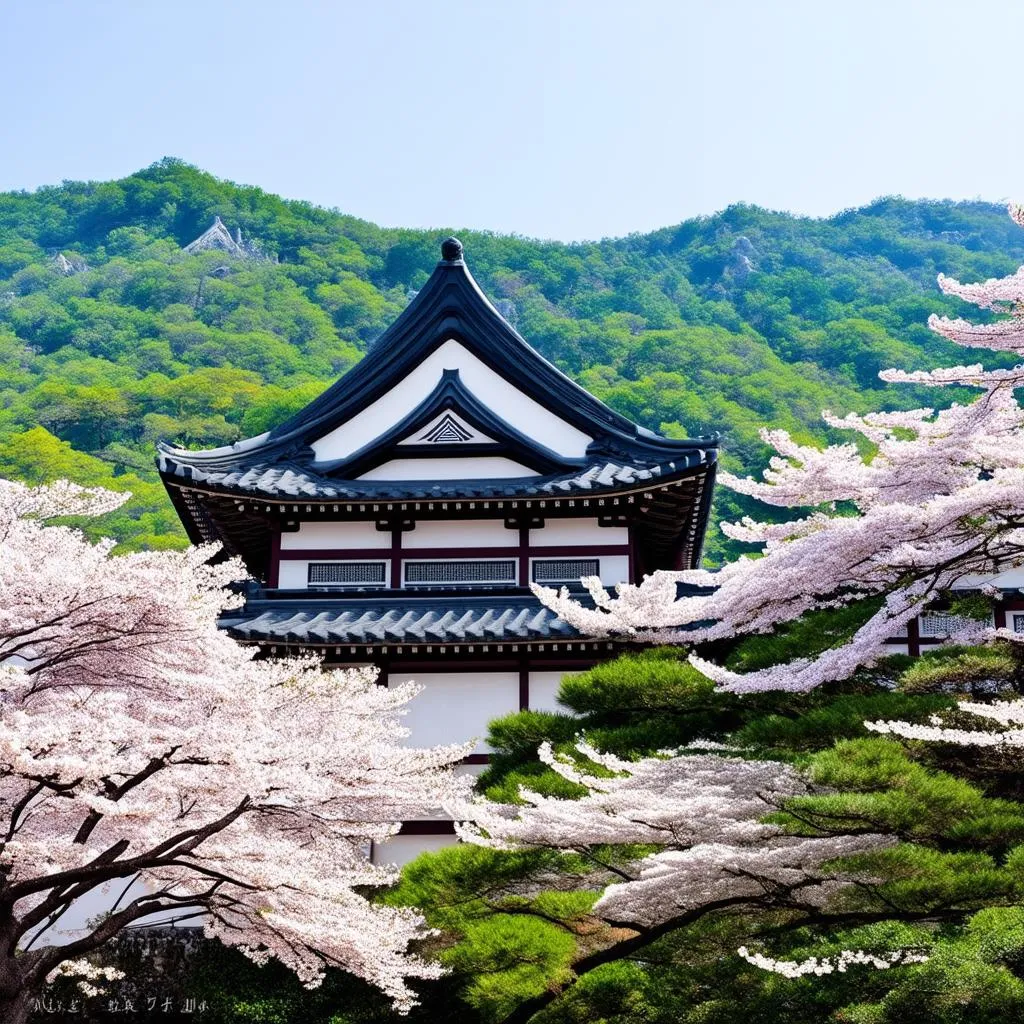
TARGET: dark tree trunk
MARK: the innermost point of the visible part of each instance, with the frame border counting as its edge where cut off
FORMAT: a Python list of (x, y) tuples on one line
[(1017, 675), (15, 1009)]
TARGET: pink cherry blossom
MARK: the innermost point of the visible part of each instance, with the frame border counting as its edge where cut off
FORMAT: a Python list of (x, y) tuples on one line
[(919, 501), (139, 742)]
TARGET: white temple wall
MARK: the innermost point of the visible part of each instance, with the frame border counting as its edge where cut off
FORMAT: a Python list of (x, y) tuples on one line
[(459, 533), (543, 689), (475, 468), (455, 707), (565, 532), (1011, 579), (335, 535), (490, 388), (614, 569)]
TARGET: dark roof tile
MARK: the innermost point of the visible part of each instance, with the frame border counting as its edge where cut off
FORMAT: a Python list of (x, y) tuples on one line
[(292, 482), (438, 620)]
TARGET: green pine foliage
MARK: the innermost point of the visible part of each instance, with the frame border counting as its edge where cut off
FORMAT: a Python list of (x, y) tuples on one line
[(719, 324), (950, 887)]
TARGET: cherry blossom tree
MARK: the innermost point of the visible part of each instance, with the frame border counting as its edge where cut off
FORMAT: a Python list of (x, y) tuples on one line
[(920, 500), (145, 752)]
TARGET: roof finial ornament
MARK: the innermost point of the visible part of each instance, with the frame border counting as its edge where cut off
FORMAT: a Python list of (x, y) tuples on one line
[(451, 250)]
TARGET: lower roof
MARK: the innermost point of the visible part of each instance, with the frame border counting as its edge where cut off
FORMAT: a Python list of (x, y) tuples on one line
[(437, 619)]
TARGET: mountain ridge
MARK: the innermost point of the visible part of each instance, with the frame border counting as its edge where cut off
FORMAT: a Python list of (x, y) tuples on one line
[(112, 336)]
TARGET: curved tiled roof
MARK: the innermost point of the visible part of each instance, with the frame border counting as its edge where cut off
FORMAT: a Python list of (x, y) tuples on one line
[(441, 618), (289, 480)]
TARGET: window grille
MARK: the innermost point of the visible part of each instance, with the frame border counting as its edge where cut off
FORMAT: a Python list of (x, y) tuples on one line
[(939, 624), (460, 573), (1018, 623), (564, 570), (346, 574)]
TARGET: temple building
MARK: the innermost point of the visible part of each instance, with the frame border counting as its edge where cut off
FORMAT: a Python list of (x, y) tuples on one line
[(400, 517)]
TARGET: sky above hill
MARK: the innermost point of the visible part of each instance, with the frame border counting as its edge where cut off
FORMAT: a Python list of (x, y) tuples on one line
[(565, 119)]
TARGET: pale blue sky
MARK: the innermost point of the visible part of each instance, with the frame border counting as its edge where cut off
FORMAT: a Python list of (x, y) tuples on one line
[(559, 119)]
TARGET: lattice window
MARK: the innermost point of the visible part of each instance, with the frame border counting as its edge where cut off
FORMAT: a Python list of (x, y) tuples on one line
[(564, 570), (1018, 623), (346, 574), (939, 624), (461, 572)]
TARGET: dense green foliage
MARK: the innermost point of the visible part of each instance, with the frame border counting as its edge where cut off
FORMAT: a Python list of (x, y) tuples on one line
[(951, 887), (517, 926), (725, 323)]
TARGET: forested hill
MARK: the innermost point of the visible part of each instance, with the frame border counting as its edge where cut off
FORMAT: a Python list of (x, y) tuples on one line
[(112, 336)]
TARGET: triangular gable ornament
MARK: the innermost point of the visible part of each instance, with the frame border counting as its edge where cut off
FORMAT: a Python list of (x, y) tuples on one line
[(447, 430)]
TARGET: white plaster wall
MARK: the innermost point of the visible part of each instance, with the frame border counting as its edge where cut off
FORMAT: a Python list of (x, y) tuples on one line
[(1009, 580), (470, 468), (895, 649), (454, 533), (402, 849), (456, 707), (335, 535), (491, 389), (293, 574), (543, 688), (578, 531)]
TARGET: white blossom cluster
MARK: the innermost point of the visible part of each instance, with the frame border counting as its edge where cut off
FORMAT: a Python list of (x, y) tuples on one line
[(1008, 714), (831, 964), (138, 741), (86, 974), (926, 498), (705, 811)]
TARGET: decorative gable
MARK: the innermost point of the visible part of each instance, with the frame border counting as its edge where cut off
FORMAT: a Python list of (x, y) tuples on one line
[(450, 421)]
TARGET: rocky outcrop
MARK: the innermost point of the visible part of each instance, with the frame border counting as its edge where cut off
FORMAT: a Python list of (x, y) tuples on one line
[(217, 236)]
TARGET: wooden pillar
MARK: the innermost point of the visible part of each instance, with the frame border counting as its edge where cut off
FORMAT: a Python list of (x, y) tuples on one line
[(914, 637), (524, 556), (396, 559), (524, 684)]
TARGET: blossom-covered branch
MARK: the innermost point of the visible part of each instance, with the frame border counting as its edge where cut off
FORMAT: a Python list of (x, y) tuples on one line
[(921, 500)]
